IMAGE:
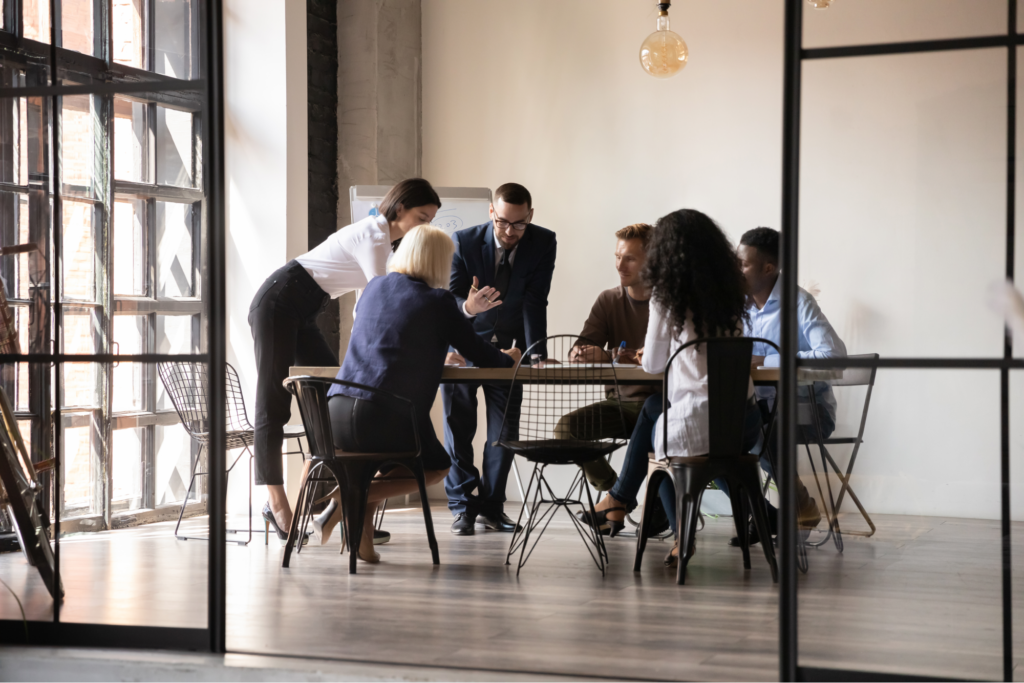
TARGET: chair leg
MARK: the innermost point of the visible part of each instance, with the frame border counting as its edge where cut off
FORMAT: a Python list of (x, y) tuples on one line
[(310, 501), (417, 470), (520, 529), (249, 540), (687, 510), (739, 516), (751, 485), (191, 483), (651, 495), (293, 530), (355, 489)]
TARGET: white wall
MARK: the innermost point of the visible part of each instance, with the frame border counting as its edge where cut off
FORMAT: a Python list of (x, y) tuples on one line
[(266, 168), (902, 198)]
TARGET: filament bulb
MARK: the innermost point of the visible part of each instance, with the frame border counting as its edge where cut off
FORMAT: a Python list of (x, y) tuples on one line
[(663, 54)]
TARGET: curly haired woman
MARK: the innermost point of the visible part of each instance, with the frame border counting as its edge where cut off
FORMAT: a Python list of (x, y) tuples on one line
[(698, 291)]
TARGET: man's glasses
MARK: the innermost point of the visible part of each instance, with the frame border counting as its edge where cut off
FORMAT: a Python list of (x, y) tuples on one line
[(502, 224)]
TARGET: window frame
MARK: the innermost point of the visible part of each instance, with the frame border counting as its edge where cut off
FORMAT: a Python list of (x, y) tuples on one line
[(32, 57)]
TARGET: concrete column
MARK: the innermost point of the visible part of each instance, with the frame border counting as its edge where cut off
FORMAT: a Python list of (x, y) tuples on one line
[(379, 107)]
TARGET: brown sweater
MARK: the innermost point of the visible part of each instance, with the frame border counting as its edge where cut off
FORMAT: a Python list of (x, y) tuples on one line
[(616, 317)]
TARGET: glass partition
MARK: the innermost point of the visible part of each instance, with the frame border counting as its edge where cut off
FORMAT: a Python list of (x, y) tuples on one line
[(103, 274)]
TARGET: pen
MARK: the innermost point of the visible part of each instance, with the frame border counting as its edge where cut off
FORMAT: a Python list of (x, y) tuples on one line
[(622, 346)]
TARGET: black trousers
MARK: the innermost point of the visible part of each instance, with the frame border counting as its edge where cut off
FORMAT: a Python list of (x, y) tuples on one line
[(459, 429), (283, 322)]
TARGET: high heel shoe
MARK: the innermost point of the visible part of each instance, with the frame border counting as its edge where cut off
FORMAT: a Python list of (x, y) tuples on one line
[(320, 520), (672, 559), (599, 520), (374, 559), (270, 521)]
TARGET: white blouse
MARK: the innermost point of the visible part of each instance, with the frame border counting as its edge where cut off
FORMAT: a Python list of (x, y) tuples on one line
[(688, 422), (351, 257)]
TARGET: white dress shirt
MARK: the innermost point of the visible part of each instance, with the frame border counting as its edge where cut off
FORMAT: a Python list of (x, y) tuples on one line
[(688, 422), (351, 257)]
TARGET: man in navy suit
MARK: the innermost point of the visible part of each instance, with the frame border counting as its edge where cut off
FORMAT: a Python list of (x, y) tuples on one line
[(511, 260)]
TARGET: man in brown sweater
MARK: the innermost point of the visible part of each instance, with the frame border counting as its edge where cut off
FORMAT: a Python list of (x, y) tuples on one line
[(619, 315)]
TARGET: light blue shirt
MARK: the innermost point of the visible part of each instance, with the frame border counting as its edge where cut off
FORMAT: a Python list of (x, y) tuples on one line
[(817, 338)]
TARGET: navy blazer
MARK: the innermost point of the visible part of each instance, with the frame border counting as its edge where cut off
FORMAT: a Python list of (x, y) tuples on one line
[(400, 337), (523, 313)]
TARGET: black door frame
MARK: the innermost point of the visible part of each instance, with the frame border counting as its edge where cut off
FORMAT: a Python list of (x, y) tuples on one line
[(210, 85), (795, 54)]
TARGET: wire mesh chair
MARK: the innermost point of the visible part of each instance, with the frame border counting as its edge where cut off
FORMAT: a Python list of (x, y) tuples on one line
[(558, 425), (187, 385), (354, 472), (728, 365)]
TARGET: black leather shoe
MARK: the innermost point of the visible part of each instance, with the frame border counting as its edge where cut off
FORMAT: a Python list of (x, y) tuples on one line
[(498, 522), (463, 524), (752, 536)]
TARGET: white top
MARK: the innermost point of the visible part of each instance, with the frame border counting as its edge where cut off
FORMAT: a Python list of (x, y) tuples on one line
[(688, 421), (351, 257)]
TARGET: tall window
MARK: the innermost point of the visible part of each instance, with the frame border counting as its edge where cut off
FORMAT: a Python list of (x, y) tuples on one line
[(131, 222)]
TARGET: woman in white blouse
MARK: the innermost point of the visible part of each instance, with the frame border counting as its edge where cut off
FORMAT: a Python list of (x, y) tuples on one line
[(284, 311), (698, 291)]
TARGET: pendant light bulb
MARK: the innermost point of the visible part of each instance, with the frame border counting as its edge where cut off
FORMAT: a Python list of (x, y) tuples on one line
[(820, 4), (663, 54)]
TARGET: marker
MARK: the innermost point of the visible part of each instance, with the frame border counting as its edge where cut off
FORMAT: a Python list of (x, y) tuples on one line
[(622, 347)]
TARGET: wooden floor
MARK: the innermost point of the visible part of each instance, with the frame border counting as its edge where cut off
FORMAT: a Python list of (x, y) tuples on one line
[(921, 597)]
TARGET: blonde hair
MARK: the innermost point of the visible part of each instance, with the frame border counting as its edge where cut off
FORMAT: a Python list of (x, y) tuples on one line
[(425, 254)]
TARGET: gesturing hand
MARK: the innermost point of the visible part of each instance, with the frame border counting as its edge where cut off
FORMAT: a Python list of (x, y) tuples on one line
[(481, 300)]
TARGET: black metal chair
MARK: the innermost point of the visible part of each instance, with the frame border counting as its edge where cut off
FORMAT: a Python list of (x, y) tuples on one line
[(529, 431), (187, 385), (728, 364), (354, 472)]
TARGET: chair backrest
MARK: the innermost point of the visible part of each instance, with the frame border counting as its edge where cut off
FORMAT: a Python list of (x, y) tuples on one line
[(188, 386), (728, 364), (566, 387), (857, 377), (311, 393)]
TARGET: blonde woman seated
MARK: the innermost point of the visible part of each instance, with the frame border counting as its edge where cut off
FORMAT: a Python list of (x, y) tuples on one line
[(405, 323)]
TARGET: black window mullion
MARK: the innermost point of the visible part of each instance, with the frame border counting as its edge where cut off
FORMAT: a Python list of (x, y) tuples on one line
[(56, 21), (101, 13)]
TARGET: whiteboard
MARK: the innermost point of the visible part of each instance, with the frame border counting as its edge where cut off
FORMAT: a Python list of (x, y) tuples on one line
[(461, 207)]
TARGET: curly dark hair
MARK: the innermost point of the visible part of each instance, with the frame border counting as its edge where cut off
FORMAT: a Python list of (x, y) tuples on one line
[(693, 269)]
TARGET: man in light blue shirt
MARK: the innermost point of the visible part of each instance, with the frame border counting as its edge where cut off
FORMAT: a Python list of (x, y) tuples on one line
[(759, 259)]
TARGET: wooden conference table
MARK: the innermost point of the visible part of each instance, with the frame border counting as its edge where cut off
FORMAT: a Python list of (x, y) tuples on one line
[(624, 374)]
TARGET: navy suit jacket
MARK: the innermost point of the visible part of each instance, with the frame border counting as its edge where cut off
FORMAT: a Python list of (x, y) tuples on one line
[(523, 313), (402, 331)]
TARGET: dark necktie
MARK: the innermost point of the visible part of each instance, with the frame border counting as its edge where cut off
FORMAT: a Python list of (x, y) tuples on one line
[(394, 245), (503, 275)]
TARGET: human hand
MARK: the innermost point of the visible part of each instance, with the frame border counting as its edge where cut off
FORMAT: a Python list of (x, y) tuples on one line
[(628, 357), (481, 300), (453, 358), (755, 361), (584, 353), (639, 355), (515, 353)]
